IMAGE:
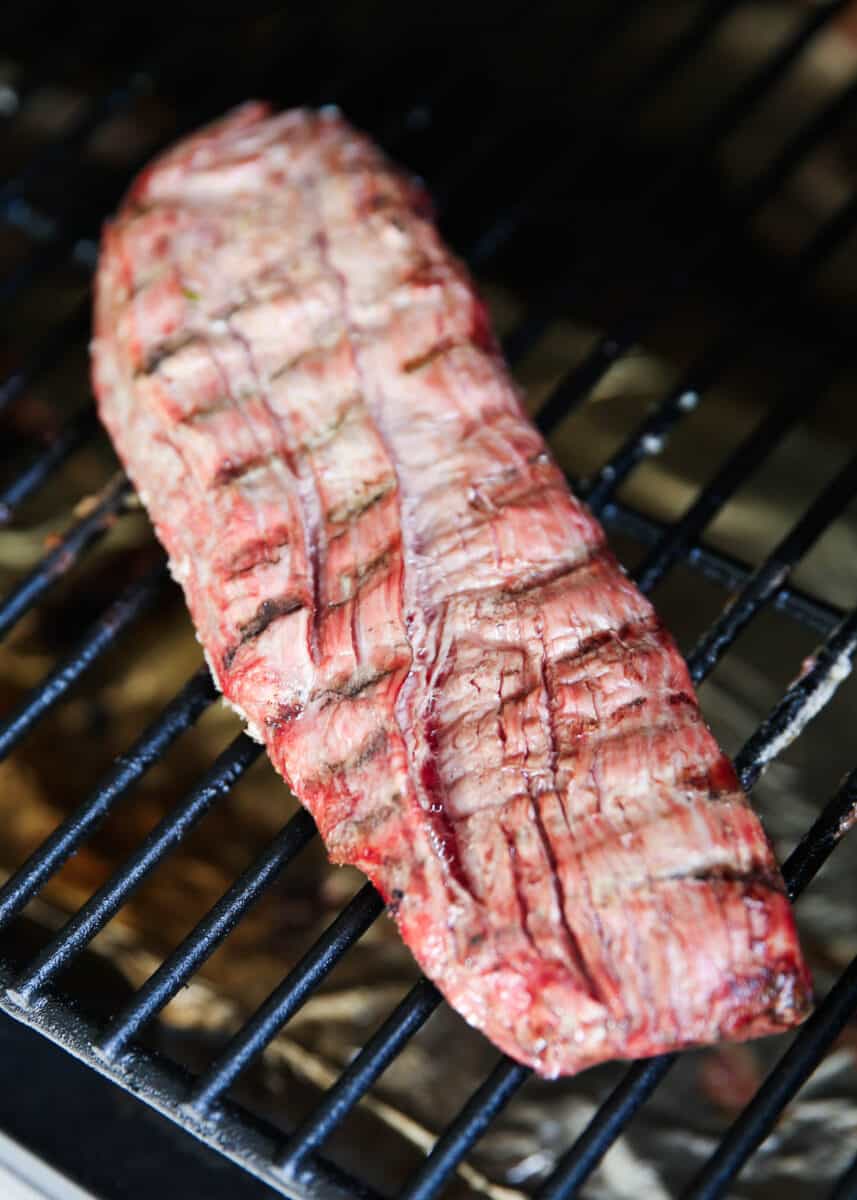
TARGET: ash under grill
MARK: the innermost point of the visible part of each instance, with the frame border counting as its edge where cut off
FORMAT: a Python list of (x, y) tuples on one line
[(639, 239)]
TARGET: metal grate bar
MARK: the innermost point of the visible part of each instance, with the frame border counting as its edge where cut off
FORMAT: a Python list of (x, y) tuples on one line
[(781, 1086), (206, 936), (150, 747), (162, 1084), (91, 918), (64, 556), (478, 1113), (385, 1044), (723, 121), (771, 575), (721, 568), (286, 999), (809, 693), (83, 426), (578, 1163), (132, 603), (651, 434), (739, 467), (570, 392), (641, 90), (638, 1083)]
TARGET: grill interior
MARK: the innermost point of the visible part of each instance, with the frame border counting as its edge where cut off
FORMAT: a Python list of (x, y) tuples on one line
[(660, 208)]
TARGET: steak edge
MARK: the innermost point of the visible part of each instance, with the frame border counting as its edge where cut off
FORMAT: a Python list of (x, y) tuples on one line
[(395, 588)]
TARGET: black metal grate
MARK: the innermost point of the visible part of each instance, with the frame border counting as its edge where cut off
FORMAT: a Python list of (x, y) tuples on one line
[(295, 1165)]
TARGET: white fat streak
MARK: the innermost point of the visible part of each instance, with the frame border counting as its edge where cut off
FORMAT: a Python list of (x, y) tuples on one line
[(815, 702)]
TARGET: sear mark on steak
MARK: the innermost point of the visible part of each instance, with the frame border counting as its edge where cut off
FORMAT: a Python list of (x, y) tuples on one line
[(267, 612)]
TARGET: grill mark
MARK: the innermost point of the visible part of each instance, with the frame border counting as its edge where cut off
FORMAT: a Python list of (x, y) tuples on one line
[(229, 471), (156, 358), (763, 877), (437, 351), (355, 686), (525, 587), (491, 505), (361, 574), (247, 560), (267, 612), (373, 745), (329, 343), (626, 710), (315, 440), (222, 405), (625, 636), (347, 512)]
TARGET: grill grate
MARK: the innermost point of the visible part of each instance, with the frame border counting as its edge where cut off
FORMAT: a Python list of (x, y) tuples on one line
[(294, 1166)]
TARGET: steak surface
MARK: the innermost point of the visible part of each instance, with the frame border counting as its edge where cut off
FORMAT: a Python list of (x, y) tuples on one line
[(396, 589)]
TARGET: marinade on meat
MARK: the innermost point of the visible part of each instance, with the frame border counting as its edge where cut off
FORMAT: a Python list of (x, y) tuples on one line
[(395, 587)]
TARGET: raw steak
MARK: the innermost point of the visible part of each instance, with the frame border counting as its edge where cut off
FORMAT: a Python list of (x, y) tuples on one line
[(396, 590)]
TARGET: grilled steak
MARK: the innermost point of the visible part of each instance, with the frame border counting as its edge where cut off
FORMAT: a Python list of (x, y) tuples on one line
[(395, 588)]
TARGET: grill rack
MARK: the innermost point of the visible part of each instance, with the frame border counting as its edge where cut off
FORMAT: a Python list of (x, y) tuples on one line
[(293, 1166)]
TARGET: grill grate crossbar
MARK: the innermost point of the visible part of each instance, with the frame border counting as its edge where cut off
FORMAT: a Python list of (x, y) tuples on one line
[(81, 537), (176, 717), (80, 929), (461, 1133), (286, 999), (740, 466), (794, 1068), (78, 430), (385, 1044), (175, 971), (135, 600), (771, 575)]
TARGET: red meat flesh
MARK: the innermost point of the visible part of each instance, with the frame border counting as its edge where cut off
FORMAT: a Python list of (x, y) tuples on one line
[(396, 589)]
